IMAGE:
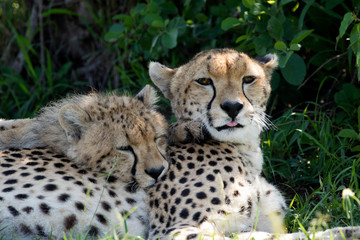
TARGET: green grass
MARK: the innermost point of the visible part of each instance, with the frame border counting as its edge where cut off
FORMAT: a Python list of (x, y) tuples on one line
[(313, 164)]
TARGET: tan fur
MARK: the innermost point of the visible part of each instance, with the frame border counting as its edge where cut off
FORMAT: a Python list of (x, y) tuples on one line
[(226, 68), (213, 187), (93, 130)]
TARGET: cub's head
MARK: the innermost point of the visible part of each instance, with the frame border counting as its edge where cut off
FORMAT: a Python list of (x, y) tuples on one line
[(124, 134), (225, 89)]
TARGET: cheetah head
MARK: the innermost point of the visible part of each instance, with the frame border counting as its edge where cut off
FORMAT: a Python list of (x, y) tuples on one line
[(224, 89), (118, 134)]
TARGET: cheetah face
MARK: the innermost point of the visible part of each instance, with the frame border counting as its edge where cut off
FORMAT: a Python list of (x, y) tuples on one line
[(224, 89), (122, 135)]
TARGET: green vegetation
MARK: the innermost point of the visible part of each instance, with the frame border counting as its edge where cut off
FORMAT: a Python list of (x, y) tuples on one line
[(312, 153)]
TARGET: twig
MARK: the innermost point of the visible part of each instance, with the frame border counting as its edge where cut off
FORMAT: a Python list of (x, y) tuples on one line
[(319, 68)]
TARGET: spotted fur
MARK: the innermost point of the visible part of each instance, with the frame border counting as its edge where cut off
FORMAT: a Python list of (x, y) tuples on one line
[(98, 153), (213, 187)]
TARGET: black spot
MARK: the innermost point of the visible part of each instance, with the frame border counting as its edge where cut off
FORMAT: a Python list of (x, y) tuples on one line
[(178, 166), (5, 165), (21, 196), (192, 236), (9, 189), (68, 178), (177, 200), (82, 171), (191, 165), (183, 180), (212, 189), (64, 197), (106, 206), (184, 213), (185, 192), (60, 172), (172, 191), (13, 211), (228, 168), (40, 231), (28, 209), (199, 171), (39, 177), (164, 195), (44, 208), (181, 157), (50, 187), (25, 229), (8, 172), (11, 181), (16, 155), (111, 179), (80, 206), (214, 152), (212, 163), (59, 165), (198, 184), (201, 195), (215, 201), (190, 150), (25, 174), (196, 216), (172, 210), (101, 219), (236, 193), (171, 175), (130, 201), (40, 169), (227, 200), (92, 180), (112, 193), (79, 183), (210, 177), (32, 163), (200, 158), (70, 221), (93, 231)]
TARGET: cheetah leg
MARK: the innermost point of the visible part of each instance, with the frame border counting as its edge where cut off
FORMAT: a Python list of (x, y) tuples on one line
[(186, 131)]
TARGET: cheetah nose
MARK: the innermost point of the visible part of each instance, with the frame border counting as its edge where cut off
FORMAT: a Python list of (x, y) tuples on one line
[(155, 172), (232, 108)]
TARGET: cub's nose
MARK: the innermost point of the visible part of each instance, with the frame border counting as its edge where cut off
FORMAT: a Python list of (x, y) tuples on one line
[(232, 108), (155, 172)]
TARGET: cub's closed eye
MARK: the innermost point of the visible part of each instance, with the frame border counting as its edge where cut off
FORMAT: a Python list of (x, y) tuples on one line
[(124, 148), (249, 79), (203, 81)]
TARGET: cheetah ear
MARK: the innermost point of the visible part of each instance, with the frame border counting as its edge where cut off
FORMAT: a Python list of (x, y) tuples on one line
[(72, 120), (161, 77), (269, 61), (148, 96)]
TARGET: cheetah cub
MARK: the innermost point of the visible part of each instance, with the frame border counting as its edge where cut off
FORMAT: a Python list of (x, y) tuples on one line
[(81, 166), (213, 187)]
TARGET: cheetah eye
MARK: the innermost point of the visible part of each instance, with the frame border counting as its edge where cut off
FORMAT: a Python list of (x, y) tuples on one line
[(125, 148), (161, 144), (249, 79), (204, 81)]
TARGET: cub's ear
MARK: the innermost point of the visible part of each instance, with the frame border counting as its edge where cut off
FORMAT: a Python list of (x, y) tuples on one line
[(269, 61), (72, 119), (148, 96), (161, 77)]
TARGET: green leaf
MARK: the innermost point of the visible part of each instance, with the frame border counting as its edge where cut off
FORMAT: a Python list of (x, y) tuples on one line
[(295, 70), (300, 36), (275, 28), (117, 28), (151, 18), (58, 11), (241, 38), (345, 23), (356, 149), (280, 45), (284, 59), (295, 47), (229, 23), (348, 133), (169, 39), (248, 3), (178, 23)]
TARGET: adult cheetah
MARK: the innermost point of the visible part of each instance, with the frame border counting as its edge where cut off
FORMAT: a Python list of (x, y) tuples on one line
[(213, 187)]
